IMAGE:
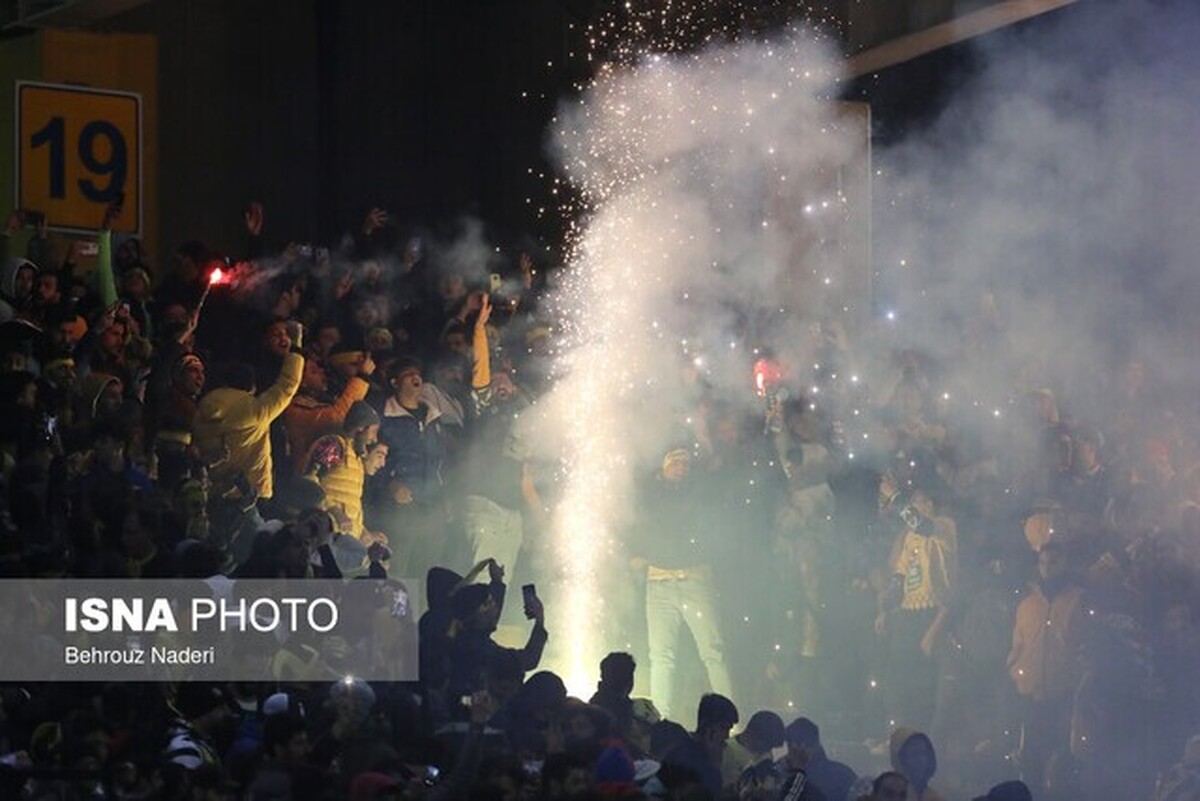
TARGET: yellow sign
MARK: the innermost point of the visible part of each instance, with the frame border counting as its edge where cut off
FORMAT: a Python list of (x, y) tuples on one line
[(79, 150)]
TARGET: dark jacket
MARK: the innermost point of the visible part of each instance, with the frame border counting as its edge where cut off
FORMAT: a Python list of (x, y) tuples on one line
[(418, 443), (831, 777)]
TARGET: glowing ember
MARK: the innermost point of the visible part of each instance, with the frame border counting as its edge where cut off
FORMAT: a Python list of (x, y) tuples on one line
[(767, 377), (214, 278)]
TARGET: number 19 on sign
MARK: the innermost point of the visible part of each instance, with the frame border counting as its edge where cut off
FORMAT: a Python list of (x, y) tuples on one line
[(79, 151)]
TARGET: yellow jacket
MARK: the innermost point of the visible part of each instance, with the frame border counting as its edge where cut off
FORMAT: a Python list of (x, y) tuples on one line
[(342, 476), (236, 420)]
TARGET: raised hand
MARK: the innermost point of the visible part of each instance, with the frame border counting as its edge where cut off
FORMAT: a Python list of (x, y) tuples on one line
[(295, 332), (534, 610), (253, 217), (495, 571), (376, 218), (112, 214), (485, 311), (367, 367), (525, 265)]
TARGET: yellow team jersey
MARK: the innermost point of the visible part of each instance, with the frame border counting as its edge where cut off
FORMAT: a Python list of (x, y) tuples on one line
[(926, 564)]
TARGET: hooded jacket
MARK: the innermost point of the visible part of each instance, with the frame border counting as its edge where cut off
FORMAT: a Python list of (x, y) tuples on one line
[(900, 737), (90, 390), (14, 307), (241, 422), (10, 278)]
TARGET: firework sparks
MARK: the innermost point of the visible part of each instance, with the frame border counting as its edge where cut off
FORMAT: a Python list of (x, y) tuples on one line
[(666, 235)]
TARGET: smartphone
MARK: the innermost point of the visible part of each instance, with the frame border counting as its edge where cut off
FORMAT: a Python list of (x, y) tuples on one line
[(31, 218), (399, 609), (431, 775), (467, 701), (495, 282), (51, 426), (529, 593)]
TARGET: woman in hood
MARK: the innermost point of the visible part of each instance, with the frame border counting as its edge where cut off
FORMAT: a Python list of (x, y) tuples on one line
[(913, 757)]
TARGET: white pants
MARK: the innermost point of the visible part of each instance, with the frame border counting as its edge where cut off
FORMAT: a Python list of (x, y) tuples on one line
[(670, 605)]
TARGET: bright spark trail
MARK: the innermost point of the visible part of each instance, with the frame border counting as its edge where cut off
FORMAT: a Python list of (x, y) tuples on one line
[(667, 150)]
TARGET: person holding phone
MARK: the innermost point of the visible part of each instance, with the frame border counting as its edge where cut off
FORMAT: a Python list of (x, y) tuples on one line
[(472, 652)]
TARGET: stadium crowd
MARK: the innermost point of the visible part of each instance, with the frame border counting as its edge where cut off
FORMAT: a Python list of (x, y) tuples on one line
[(1021, 594)]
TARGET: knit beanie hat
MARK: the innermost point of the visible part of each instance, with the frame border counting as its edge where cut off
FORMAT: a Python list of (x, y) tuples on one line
[(360, 416)]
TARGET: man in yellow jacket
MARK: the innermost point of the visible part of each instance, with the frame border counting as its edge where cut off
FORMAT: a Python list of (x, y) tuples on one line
[(341, 462), (233, 423)]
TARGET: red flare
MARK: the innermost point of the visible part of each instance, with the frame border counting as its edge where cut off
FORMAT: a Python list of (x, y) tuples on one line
[(768, 375)]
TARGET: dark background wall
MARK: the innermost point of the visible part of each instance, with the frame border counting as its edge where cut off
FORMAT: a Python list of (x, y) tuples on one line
[(322, 109), (237, 113), (432, 109)]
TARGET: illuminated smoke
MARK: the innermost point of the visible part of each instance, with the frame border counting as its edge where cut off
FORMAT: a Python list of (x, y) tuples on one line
[(674, 157)]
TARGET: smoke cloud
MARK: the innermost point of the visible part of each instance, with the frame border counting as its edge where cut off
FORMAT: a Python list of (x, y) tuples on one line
[(1059, 182), (678, 257), (1039, 233)]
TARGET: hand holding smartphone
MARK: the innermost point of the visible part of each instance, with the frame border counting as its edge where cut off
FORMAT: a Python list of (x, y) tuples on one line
[(533, 604), (295, 332)]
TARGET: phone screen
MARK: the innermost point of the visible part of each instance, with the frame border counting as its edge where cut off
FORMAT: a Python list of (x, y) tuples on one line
[(529, 593)]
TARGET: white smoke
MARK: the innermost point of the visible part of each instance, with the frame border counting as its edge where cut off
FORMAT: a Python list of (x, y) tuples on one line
[(1059, 180), (678, 158)]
